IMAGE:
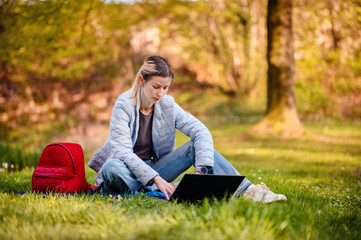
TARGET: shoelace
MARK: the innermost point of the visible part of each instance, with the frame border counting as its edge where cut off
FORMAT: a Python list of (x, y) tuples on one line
[(256, 189), (262, 185)]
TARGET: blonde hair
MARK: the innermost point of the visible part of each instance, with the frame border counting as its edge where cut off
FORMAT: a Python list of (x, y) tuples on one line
[(152, 66)]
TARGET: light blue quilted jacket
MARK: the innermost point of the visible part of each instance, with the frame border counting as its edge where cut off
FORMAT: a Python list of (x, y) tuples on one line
[(168, 116)]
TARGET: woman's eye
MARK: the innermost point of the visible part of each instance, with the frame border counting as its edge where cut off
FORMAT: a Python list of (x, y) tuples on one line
[(155, 87)]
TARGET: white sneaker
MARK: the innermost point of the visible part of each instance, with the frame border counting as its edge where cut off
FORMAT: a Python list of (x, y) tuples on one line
[(261, 193)]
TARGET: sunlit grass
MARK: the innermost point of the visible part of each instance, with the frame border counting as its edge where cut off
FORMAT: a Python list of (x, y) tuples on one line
[(320, 174)]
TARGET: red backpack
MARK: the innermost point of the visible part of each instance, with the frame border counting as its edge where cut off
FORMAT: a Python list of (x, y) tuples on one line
[(60, 169)]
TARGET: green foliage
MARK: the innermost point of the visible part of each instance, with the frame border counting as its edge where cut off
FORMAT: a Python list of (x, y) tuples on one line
[(215, 38), (327, 59), (54, 54), (62, 41), (214, 107), (312, 98)]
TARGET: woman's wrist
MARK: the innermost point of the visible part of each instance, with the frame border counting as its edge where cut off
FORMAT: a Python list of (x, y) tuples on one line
[(203, 169), (152, 181)]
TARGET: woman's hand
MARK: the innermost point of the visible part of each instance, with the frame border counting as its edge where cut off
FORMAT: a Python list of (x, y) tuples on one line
[(164, 186)]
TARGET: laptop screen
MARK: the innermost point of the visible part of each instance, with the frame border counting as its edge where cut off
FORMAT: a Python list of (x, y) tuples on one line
[(194, 187)]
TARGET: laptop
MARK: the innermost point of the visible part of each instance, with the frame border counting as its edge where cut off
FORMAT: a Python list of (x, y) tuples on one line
[(196, 187)]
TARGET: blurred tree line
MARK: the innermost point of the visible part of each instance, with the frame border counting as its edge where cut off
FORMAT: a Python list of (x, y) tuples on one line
[(66, 61)]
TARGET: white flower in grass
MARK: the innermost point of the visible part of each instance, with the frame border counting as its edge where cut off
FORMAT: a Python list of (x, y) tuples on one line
[(276, 169), (2, 170), (5, 165), (253, 174), (319, 212), (283, 225), (12, 165), (317, 188), (259, 178), (259, 170), (342, 168)]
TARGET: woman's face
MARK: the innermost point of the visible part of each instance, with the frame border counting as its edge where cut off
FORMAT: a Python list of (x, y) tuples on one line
[(155, 88)]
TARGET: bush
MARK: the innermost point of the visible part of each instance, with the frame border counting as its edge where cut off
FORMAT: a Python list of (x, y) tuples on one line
[(312, 98)]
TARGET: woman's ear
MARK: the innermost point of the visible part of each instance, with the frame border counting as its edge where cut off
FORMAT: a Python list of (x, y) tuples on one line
[(141, 80)]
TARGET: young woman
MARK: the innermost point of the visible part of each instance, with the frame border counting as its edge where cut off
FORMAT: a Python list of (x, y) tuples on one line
[(139, 152)]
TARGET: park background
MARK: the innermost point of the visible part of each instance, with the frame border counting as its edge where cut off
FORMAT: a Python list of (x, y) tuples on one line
[(63, 64)]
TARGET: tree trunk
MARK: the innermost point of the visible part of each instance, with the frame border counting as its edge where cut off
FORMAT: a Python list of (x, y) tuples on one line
[(281, 115)]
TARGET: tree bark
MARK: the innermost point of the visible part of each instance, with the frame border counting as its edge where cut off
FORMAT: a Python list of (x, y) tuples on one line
[(281, 114)]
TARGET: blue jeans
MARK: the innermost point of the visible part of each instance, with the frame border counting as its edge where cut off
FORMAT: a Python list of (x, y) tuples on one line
[(118, 178)]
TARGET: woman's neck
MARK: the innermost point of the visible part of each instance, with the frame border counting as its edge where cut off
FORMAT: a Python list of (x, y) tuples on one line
[(146, 111), (146, 107)]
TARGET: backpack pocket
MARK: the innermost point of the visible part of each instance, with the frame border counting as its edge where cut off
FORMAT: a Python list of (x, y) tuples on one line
[(47, 179)]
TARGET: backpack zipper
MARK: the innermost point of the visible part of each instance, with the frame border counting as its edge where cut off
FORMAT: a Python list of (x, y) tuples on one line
[(71, 157)]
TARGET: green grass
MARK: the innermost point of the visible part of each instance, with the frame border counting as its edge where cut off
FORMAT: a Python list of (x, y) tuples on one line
[(319, 174), (16, 158)]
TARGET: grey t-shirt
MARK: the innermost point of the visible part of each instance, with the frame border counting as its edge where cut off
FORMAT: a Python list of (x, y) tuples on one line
[(144, 144)]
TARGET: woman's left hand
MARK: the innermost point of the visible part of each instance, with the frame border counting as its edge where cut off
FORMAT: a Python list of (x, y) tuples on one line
[(164, 186)]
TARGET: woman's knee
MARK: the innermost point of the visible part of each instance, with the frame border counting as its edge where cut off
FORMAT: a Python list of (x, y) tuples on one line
[(112, 167), (113, 171)]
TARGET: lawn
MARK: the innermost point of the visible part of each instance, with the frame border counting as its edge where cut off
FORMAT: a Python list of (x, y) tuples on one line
[(320, 174)]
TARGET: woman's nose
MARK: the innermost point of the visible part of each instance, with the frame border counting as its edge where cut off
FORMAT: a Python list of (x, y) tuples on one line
[(160, 93)]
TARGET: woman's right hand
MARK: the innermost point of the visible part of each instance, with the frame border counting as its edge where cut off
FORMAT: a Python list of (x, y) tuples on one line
[(164, 186)]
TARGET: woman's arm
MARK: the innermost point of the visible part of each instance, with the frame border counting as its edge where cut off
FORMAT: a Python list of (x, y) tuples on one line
[(121, 143), (199, 134)]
